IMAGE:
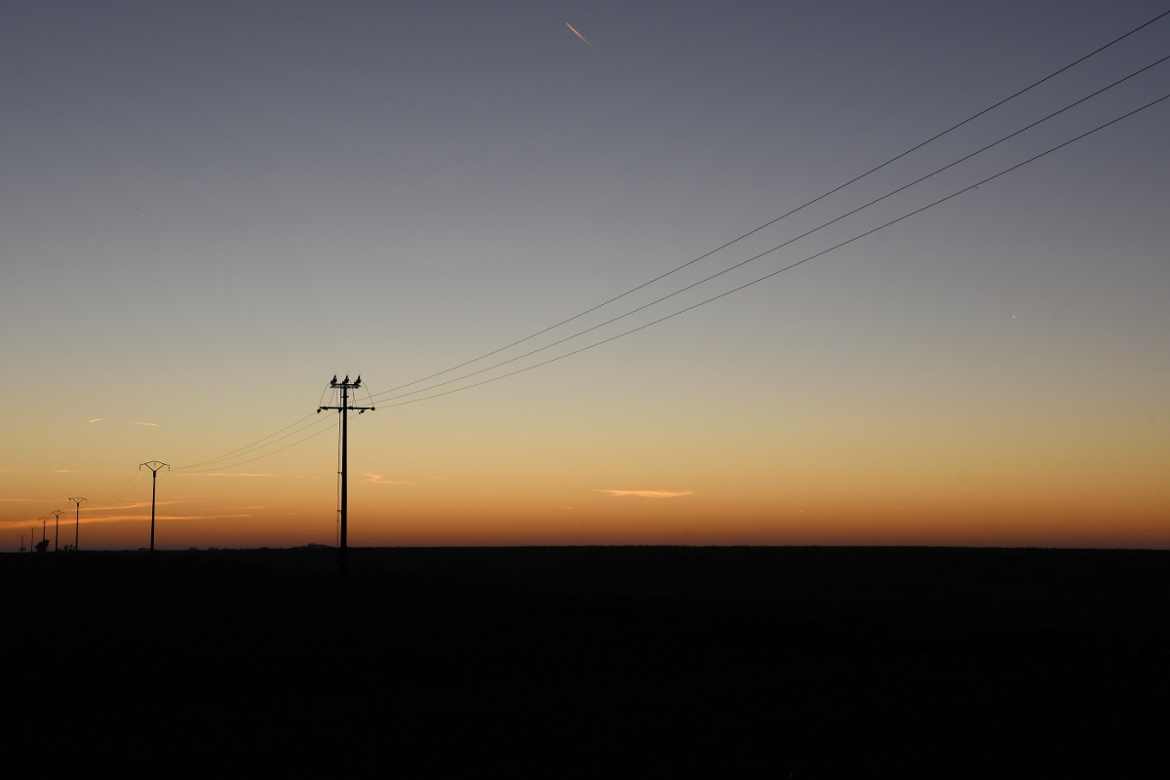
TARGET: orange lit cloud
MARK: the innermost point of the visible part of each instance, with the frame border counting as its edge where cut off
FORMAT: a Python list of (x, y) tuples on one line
[(647, 493), (147, 424), (88, 520), (132, 505)]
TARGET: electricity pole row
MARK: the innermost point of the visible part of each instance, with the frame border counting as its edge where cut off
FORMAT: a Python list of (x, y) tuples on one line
[(344, 386), (56, 515)]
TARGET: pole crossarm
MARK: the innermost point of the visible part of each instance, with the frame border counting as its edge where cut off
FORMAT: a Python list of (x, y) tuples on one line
[(346, 385)]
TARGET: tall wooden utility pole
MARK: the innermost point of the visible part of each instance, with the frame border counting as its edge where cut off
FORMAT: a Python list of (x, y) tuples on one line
[(344, 386)]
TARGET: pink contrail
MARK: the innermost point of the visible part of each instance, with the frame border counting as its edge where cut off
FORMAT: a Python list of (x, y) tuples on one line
[(573, 30)]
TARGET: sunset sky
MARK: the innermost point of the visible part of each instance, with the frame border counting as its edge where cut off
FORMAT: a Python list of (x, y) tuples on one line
[(208, 209)]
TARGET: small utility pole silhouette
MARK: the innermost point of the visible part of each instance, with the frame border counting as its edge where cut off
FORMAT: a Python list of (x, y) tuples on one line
[(56, 513), (76, 517), (344, 386), (154, 466)]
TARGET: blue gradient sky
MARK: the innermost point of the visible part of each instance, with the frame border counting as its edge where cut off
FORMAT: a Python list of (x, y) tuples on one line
[(210, 208)]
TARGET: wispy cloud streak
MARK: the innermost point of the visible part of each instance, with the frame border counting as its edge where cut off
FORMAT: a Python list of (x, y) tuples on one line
[(581, 37), (145, 517), (237, 474), (131, 505), (380, 479), (645, 493)]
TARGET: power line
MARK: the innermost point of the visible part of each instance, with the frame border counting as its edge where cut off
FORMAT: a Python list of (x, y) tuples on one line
[(292, 429), (727, 244), (250, 445), (719, 248), (216, 464), (322, 425), (789, 241), (796, 264), (792, 211)]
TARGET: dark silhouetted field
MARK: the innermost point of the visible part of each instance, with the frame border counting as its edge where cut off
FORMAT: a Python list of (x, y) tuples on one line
[(604, 662)]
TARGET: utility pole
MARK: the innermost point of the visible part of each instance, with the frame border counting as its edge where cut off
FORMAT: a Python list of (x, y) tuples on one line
[(76, 517), (344, 386), (56, 513), (154, 466)]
